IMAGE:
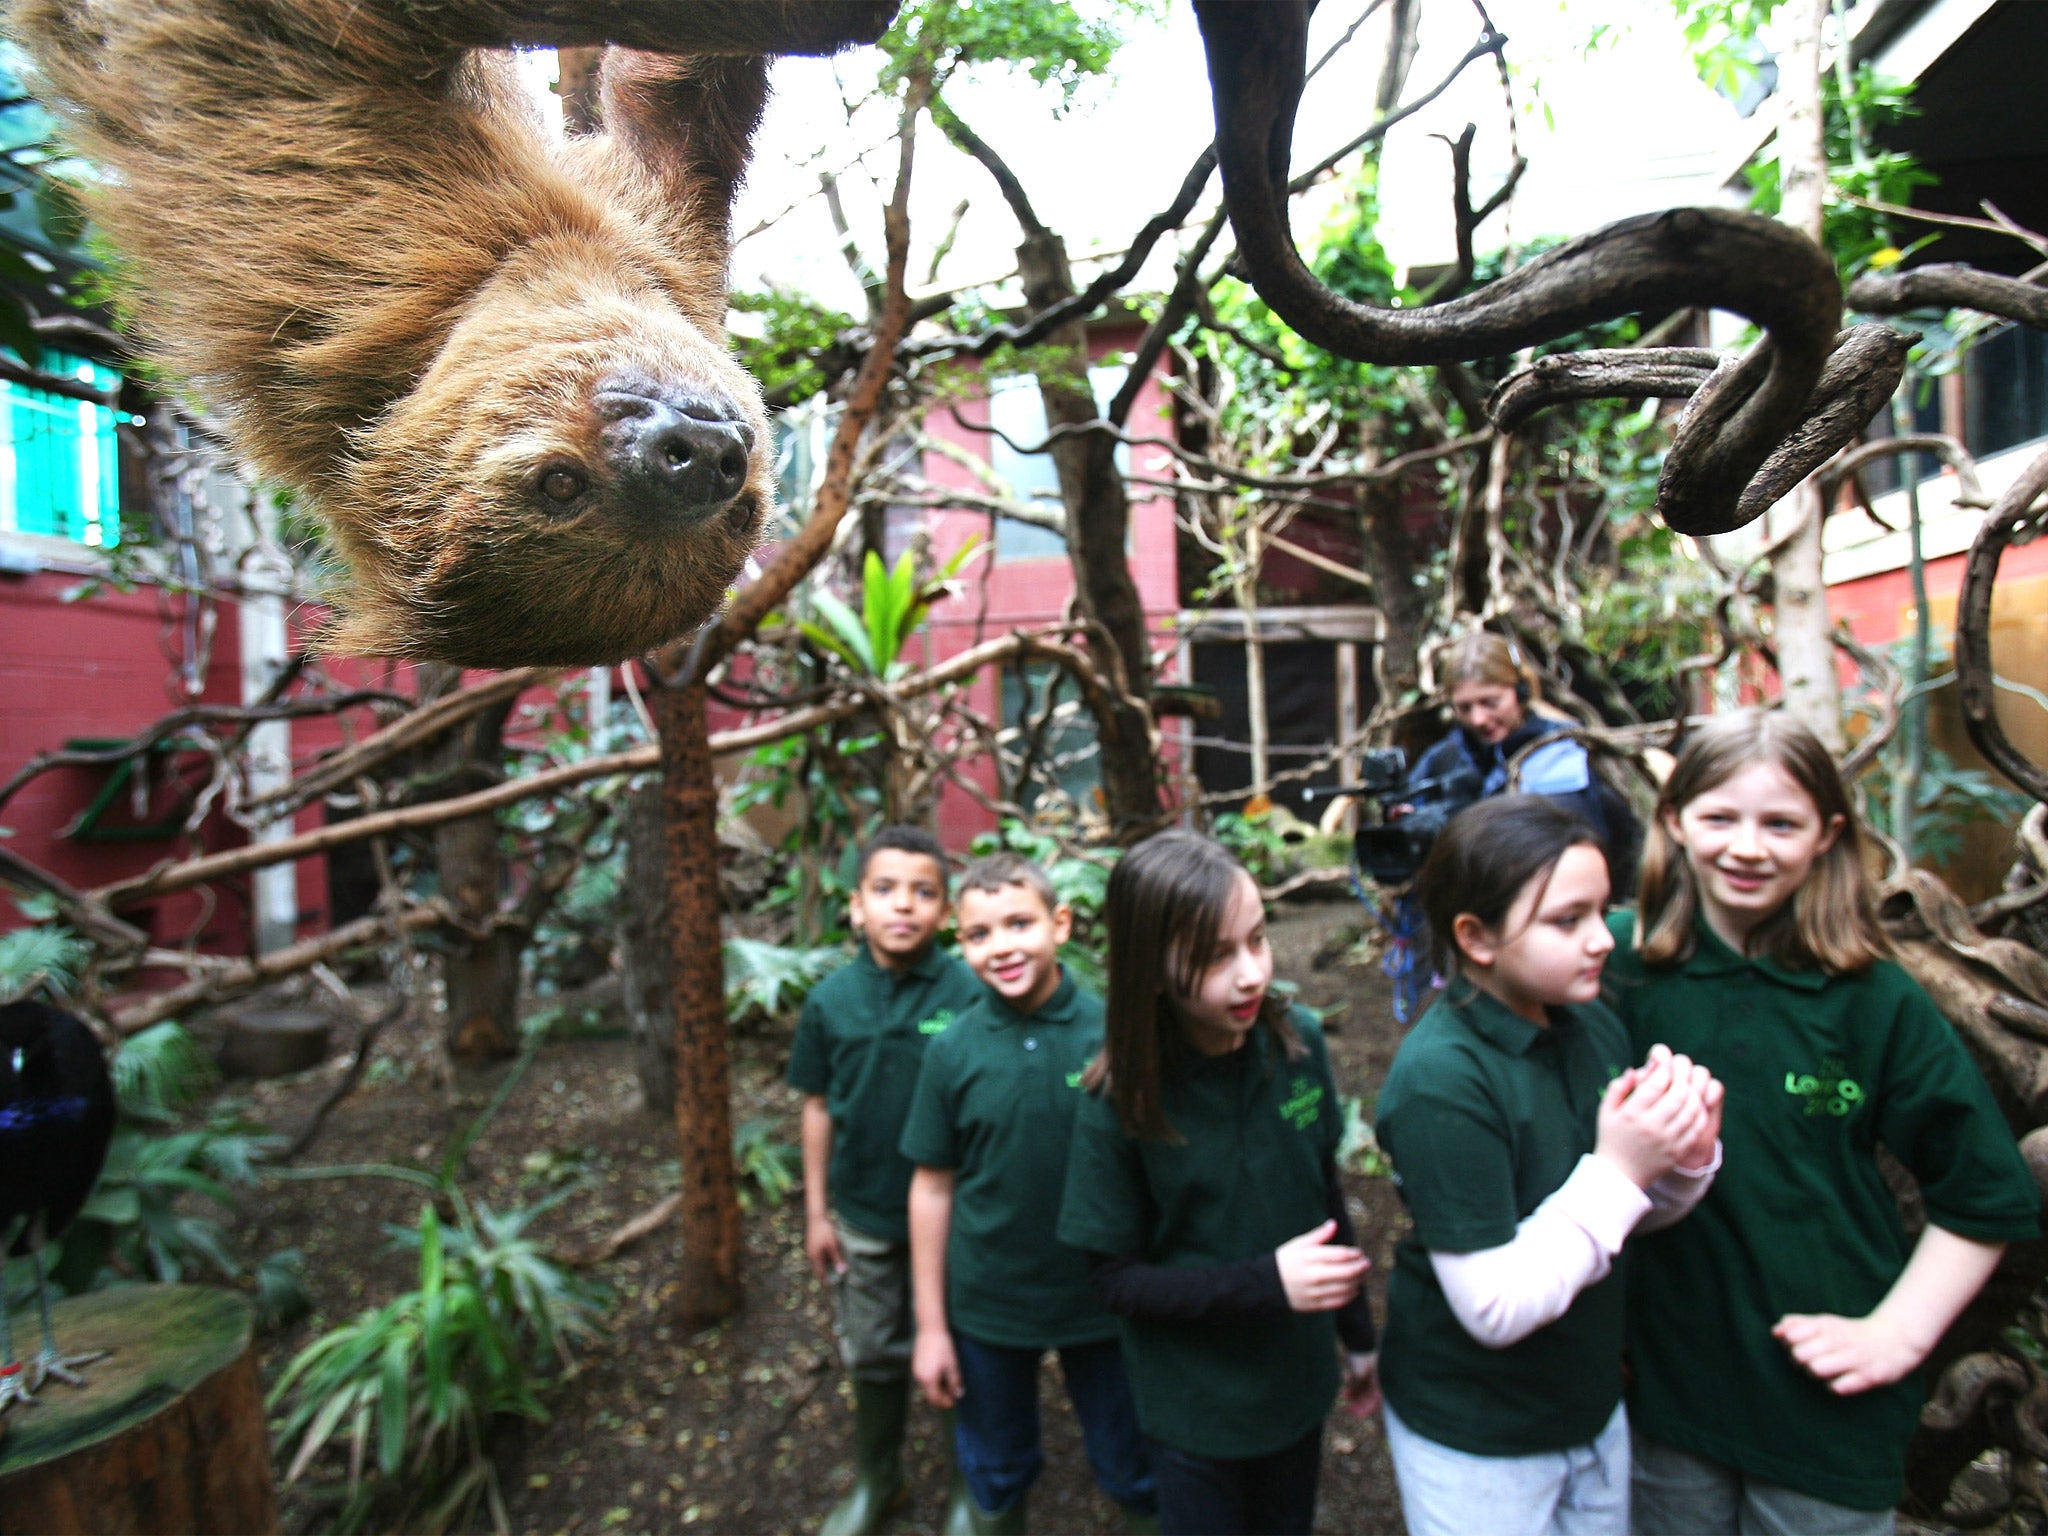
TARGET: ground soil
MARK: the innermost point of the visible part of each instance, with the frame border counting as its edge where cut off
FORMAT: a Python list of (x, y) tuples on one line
[(743, 1427)]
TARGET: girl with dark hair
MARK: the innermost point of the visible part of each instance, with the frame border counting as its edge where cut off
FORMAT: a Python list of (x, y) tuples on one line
[(1203, 1185), (1776, 1381), (1526, 1150)]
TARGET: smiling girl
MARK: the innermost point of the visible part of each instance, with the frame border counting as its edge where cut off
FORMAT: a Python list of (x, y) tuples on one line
[(1526, 1150), (1777, 1335), (1203, 1184)]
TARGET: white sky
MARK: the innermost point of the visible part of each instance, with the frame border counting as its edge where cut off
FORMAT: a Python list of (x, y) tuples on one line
[(1629, 129)]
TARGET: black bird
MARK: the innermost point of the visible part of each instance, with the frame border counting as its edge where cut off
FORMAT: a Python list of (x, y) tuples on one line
[(56, 1118)]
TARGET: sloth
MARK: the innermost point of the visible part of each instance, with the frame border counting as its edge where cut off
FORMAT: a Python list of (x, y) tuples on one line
[(493, 367)]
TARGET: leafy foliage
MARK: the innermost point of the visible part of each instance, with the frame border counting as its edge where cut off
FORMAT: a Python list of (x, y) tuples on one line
[(1646, 618), (893, 604), (1856, 237), (417, 1381), (46, 957), (1052, 41), (769, 980), (773, 1166), (138, 1223), (793, 333), (1947, 798)]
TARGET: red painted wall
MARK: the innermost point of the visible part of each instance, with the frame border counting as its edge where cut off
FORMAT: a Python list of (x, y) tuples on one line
[(102, 667), (999, 596)]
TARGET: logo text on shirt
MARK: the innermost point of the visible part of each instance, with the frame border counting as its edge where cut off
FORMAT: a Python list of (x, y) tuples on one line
[(1827, 1092), (1303, 1103), (936, 1024)]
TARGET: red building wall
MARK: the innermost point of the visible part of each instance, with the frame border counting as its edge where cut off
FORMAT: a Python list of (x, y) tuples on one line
[(101, 667), (1003, 595)]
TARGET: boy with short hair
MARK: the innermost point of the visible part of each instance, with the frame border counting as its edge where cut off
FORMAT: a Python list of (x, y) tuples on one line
[(859, 1043), (994, 1287)]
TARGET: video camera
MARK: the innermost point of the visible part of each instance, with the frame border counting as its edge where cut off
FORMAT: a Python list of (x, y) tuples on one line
[(1391, 851)]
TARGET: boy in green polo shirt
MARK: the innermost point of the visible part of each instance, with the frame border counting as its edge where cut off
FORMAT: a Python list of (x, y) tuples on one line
[(995, 1288), (858, 1046)]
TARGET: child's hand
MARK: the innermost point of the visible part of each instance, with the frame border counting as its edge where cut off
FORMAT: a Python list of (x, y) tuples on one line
[(1649, 1117), (1850, 1354), (1318, 1275), (821, 1247), (936, 1367), (1699, 1153), (1362, 1385)]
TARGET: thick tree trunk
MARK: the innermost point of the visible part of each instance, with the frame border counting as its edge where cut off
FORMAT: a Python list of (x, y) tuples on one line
[(644, 946), (1806, 652), (710, 1280), (480, 969), (1389, 559), (1098, 530)]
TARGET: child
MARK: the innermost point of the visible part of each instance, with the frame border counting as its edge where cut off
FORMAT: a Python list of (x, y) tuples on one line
[(1525, 1153), (1775, 1336), (995, 1289), (859, 1043), (1203, 1185)]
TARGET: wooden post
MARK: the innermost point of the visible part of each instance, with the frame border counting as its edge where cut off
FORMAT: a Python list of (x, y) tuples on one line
[(168, 1434)]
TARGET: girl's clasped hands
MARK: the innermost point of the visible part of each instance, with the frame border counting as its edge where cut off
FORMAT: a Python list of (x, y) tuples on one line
[(1660, 1116)]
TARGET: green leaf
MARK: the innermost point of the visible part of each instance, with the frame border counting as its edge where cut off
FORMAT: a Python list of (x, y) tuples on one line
[(391, 1408), (852, 642), (878, 622)]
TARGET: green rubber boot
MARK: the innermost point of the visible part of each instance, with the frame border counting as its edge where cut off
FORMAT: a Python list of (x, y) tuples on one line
[(880, 1409), (964, 1517)]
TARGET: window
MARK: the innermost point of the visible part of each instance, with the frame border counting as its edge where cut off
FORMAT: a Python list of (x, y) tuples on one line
[(1016, 410), (1055, 734), (59, 462), (2005, 387)]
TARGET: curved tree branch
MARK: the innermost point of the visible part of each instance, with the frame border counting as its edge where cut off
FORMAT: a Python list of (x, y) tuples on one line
[(1976, 684), (1689, 256)]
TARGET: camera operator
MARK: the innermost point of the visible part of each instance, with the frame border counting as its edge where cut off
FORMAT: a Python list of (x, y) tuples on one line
[(1491, 692)]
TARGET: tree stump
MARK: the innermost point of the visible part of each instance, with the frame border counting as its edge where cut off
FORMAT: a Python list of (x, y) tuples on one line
[(167, 1435)]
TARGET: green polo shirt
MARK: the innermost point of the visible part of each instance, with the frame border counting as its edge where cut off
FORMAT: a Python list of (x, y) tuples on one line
[(859, 1042), (1245, 1176), (1484, 1115), (1819, 1071), (995, 1103)]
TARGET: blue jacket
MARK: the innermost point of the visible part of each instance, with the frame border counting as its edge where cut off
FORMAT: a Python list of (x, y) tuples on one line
[(1559, 769)]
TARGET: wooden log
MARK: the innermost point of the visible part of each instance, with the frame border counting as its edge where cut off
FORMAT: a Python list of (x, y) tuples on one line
[(167, 1435)]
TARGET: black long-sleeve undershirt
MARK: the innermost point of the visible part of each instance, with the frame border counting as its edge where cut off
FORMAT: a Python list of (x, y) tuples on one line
[(1245, 1290)]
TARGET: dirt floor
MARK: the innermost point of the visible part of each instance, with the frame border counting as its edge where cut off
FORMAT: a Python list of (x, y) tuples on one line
[(743, 1427)]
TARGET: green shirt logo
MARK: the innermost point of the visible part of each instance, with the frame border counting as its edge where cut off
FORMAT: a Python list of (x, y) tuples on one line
[(936, 1024), (1303, 1103), (1074, 1079), (1828, 1092)]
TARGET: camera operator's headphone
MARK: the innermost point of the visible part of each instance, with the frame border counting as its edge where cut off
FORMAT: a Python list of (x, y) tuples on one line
[(1521, 671)]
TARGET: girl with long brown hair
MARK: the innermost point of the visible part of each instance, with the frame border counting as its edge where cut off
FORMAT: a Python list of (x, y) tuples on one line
[(1203, 1184), (1776, 1337)]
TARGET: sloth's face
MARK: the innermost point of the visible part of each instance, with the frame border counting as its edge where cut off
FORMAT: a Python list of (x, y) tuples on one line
[(578, 477)]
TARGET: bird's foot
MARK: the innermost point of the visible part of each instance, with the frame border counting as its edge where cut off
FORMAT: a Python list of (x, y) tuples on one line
[(64, 1368), (14, 1385)]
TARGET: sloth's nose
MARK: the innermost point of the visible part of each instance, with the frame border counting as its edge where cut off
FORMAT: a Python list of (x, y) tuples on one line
[(693, 450)]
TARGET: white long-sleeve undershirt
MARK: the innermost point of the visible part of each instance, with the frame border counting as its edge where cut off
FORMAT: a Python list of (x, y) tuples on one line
[(1502, 1295)]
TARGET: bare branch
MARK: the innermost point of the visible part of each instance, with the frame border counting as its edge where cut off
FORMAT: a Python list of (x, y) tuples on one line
[(1948, 285), (405, 735)]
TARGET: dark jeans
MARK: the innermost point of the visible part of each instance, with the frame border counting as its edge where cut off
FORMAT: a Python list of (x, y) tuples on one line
[(1258, 1496), (995, 1423)]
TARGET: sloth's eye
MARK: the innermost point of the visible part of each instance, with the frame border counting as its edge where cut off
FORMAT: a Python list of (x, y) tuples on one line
[(561, 484)]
